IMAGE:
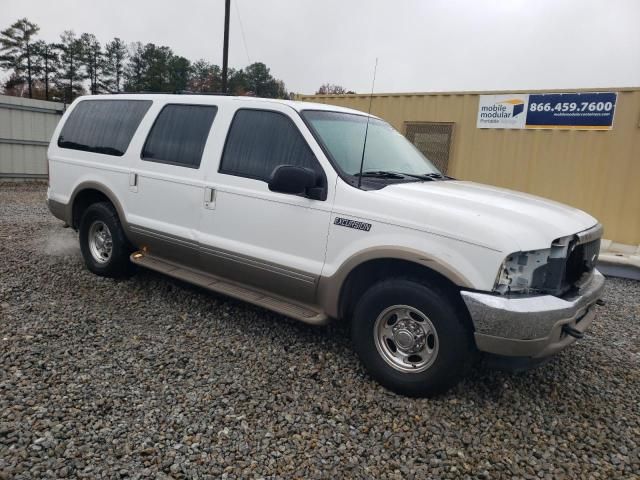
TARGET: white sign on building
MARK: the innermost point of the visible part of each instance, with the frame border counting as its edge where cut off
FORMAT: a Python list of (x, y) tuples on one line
[(503, 111)]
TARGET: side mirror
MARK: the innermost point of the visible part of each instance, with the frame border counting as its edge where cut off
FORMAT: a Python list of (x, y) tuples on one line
[(294, 180)]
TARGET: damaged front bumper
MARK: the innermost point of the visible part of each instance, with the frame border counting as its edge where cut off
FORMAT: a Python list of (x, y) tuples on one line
[(535, 326)]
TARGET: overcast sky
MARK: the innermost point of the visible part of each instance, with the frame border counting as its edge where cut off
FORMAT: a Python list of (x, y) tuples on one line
[(422, 45)]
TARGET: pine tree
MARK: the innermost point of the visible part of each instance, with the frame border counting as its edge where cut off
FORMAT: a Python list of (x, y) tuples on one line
[(47, 58), (114, 64), (136, 69), (157, 60), (179, 71), (238, 83), (262, 84), (70, 74), (16, 45), (93, 61)]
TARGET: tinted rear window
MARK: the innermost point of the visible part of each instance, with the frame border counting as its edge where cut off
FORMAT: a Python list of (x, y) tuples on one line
[(103, 126), (179, 135)]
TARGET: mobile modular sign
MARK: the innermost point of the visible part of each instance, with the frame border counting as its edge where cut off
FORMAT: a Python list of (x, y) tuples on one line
[(569, 111)]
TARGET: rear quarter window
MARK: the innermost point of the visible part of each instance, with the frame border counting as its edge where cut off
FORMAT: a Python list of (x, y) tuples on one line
[(103, 126)]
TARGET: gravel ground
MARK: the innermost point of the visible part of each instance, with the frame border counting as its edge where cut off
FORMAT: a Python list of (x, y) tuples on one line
[(153, 378)]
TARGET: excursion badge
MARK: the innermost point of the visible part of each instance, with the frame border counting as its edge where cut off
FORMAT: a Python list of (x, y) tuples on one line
[(345, 222)]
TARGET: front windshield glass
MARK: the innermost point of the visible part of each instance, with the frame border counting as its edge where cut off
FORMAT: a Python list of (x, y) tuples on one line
[(386, 149)]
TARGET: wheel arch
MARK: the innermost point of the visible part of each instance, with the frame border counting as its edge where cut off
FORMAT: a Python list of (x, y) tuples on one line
[(338, 293), (86, 194)]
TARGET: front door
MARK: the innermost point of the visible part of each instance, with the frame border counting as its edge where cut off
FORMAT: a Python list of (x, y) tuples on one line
[(270, 240)]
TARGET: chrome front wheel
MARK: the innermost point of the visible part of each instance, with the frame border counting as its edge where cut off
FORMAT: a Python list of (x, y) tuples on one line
[(406, 339), (412, 336)]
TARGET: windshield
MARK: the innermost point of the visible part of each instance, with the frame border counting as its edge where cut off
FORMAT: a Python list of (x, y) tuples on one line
[(386, 150)]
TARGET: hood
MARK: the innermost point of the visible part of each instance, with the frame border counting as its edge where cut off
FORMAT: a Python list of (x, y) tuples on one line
[(487, 215)]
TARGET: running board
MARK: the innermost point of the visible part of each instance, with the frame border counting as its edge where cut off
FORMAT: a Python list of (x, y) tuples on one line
[(216, 284)]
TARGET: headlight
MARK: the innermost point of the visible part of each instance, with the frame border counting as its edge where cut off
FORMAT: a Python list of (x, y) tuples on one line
[(517, 272), (529, 272)]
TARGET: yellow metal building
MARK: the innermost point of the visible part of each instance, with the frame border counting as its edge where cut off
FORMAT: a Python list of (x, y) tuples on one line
[(596, 171)]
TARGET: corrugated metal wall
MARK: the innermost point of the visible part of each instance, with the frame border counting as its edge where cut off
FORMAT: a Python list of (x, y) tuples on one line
[(26, 127), (596, 171)]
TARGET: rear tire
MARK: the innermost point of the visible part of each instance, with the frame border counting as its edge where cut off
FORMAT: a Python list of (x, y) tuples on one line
[(413, 338), (104, 246)]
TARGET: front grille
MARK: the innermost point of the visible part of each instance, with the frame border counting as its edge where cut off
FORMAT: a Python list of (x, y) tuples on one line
[(561, 274)]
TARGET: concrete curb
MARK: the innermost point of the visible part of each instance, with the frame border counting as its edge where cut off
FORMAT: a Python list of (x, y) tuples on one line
[(619, 260)]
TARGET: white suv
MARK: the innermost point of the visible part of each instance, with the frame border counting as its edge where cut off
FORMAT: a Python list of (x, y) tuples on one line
[(284, 205)]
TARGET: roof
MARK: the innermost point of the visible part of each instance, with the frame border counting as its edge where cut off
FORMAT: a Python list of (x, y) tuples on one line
[(221, 100), (470, 92), (23, 103)]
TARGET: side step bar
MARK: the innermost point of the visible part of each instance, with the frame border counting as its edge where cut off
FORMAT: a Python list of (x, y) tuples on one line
[(302, 312)]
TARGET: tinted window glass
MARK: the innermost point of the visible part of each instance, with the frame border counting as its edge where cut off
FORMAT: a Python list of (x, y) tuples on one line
[(103, 126), (259, 141), (179, 134)]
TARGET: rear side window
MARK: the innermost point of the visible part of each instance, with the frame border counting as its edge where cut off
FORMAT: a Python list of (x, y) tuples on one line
[(179, 135), (103, 126), (259, 141)]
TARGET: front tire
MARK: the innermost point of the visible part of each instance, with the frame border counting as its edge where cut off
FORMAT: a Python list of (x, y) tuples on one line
[(104, 246), (412, 337)]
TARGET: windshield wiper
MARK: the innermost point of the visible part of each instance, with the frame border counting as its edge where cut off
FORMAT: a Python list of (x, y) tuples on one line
[(439, 176), (400, 175), (429, 176), (421, 176), (381, 174)]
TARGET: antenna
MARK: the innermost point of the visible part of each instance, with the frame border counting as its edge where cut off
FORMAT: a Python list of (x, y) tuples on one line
[(366, 130)]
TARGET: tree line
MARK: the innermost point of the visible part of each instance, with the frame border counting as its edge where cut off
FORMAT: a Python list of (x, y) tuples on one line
[(80, 64)]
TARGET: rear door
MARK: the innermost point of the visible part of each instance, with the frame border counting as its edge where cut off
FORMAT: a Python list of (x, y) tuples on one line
[(271, 240), (166, 181)]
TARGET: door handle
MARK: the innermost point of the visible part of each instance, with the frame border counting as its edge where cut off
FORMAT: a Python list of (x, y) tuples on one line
[(209, 198), (133, 182)]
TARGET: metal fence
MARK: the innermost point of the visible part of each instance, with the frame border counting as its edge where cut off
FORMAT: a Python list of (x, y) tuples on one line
[(433, 139), (26, 127)]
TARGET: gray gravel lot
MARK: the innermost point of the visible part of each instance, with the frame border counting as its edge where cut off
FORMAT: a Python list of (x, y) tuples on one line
[(152, 378)]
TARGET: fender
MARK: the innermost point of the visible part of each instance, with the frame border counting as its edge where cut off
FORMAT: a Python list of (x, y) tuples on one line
[(329, 288), (106, 191)]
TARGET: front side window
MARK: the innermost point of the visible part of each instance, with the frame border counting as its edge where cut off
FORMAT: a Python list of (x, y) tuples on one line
[(179, 135), (342, 135), (259, 141), (103, 126)]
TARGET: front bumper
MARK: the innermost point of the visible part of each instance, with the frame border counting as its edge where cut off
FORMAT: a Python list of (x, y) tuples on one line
[(531, 326)]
